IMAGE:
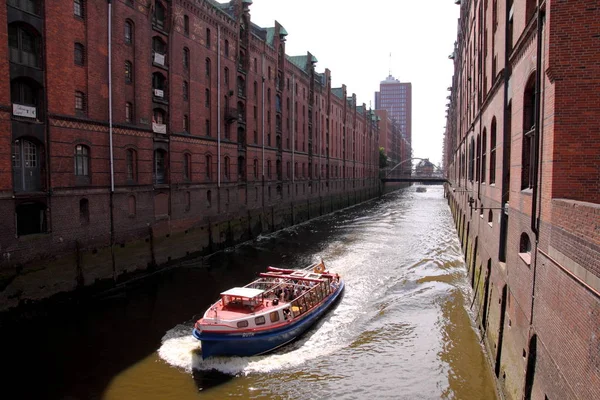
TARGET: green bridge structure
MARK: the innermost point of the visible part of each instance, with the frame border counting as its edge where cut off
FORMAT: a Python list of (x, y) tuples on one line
[(392, 175)]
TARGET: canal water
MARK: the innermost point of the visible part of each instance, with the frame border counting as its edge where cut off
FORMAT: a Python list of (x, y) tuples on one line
[(403, 329)]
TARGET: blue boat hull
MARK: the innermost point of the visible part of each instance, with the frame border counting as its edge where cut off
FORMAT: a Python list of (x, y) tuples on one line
[(251, 344)]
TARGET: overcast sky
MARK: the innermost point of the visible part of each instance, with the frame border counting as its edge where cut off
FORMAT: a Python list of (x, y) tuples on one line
[(354, 40)]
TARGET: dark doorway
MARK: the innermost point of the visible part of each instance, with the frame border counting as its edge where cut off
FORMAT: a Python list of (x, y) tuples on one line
[(31, 219), (26, 162), (486, 295), (501, 329), (530, 374)]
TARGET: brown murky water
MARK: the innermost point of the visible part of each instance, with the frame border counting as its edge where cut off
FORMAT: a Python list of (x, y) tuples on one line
[(401, 331)]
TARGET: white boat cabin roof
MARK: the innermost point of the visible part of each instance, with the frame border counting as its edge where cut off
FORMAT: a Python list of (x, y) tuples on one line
[(242, 292)]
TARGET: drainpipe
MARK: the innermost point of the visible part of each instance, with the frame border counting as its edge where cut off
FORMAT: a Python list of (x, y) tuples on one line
[(537, 129), (536, 159), (110, 120), (262, 67), (293, 128), (110, 142), (219, 108)]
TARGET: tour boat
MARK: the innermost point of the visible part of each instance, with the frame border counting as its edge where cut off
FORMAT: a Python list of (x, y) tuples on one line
[(266, 314)]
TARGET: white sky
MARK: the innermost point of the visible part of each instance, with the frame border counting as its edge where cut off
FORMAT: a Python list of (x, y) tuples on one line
[(354, 39)]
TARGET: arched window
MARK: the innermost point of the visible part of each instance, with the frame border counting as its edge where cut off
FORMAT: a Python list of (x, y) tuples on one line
[(493, 151), (207, 67), (25, 44), (525, 248), (82, 160), (208, 38), (159, 48), (128, 34), (241, 168), (128, 72), (241, 87), (79, 54), (478, 159), (24, 91), (159, 85), (159, 17), (186, 91), (128, 112), (528, 149), (187, 167), (186, 58), (226, 76), (208, 198), (226, 48), (255, 168), (159, 121), (186, 25), (186, 123), (78, 8), (131, 161), (208, 166), (207, 98), (490, 217), (483, 155), (160, 166), (79, 101), (26, 166), (226, 167), (255, 90)]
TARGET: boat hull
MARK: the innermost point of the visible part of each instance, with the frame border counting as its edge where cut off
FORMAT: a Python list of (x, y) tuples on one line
[(251, 344)]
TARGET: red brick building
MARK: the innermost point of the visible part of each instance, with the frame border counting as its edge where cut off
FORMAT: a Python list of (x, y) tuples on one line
[(136, 132), (521, 153)]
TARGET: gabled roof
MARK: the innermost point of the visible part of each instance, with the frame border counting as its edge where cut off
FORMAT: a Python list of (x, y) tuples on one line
[(298, 61), (338, 92)]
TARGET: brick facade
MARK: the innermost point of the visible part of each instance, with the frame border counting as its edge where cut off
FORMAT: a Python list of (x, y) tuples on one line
[(521, 156), (217, 136)]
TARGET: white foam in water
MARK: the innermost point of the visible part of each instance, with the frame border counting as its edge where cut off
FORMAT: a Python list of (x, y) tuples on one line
[(180, 349)]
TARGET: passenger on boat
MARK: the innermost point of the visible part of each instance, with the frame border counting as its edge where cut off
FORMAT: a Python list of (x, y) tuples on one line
[(286, 313)]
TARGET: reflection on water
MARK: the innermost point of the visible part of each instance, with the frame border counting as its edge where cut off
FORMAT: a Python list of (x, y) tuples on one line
[(401, 331)]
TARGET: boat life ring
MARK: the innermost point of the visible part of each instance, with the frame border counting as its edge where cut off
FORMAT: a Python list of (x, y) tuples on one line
[(319, 269)]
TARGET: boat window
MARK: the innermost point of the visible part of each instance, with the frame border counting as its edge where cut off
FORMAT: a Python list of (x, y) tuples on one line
[(242, 324), (259, 320), (274, 316)]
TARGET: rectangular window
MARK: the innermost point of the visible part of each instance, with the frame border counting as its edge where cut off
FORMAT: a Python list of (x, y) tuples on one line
[(259, 320), (78, 8)]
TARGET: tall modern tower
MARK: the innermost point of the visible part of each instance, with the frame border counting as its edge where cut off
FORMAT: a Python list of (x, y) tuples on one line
[(396, 98)]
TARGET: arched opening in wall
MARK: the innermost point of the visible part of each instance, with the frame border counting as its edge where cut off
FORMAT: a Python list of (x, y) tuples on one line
[(26, 96), (530, 372), (486, 295), (241, 168), (159, 17), (84, 211), (501, 330), (27, 165), (490, 217), (25, 44), (208, 198), (483, 155), (159, 86), (478, 160), (525, 248), (527, 154), (31, 218), (160, 166), (493, 152), (159, 51), (473, 263), (467, 239)]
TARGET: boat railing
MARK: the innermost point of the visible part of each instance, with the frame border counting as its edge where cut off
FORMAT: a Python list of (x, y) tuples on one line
[(309, 299)]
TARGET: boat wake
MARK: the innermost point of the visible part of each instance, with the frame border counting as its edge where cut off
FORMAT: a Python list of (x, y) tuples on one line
[(181, 350)]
